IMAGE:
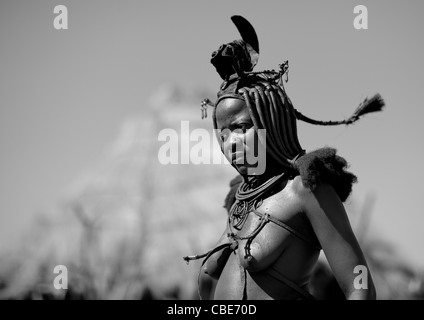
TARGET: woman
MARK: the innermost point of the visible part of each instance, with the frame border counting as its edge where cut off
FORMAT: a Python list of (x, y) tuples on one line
[(287, 205)]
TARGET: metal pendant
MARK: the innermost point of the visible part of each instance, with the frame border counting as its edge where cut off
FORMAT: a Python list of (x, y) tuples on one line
[(240, 211)]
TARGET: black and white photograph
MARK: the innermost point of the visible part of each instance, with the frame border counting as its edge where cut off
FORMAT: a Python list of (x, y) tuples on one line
[(211, 150)]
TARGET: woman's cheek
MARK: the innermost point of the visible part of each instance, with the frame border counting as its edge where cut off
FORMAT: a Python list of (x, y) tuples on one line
[(250, 141), (226, 150)]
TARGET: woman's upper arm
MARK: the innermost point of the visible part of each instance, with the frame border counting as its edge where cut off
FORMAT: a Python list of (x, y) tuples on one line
[(330, 222)]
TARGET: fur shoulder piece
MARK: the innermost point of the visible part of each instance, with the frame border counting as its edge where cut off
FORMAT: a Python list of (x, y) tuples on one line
[(324, 165), (315, 167)]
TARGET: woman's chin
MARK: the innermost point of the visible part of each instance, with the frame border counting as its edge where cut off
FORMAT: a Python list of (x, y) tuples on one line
[(241, 169), (246, 170)]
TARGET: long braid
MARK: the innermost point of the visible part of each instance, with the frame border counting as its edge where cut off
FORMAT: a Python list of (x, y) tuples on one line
[(269, 112)]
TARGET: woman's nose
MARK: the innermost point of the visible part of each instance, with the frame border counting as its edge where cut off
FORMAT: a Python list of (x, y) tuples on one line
[(234, 138), (235, 142)]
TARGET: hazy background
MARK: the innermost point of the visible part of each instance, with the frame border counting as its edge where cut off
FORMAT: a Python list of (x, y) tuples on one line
[(65, 94)]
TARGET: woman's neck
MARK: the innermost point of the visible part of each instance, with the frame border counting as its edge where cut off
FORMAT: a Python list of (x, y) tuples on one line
[(257, 180)]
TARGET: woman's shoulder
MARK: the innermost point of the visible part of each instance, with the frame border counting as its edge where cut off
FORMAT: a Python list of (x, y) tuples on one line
[(319, 168)]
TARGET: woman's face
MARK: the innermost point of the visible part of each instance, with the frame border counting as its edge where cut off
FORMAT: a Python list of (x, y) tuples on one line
[(239, 140)]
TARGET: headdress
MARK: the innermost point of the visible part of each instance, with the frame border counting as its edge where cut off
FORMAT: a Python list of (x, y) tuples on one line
[(264, 94)]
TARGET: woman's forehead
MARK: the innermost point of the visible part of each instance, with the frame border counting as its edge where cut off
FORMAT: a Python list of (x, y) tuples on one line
[(231, 107)]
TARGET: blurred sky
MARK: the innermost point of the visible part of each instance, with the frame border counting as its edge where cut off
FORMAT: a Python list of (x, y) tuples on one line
[(65, 93)]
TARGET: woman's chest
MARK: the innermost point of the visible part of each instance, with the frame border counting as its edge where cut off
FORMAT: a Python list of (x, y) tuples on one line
[(262, 230)]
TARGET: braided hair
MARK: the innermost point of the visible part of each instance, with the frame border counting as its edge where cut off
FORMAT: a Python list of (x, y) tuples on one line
[(270, 108), (263, 92)]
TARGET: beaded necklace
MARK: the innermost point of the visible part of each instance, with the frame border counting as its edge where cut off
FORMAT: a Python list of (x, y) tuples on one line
[(249, 198)]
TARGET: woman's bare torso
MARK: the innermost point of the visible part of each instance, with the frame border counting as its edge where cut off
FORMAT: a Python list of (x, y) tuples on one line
[(272, 248)]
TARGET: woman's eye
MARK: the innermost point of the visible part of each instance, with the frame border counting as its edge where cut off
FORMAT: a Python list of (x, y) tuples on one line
[(224, 134), (245, 126)]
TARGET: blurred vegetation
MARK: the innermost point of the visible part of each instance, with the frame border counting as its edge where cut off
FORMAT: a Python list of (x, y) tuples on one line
[(104, 270), (123, 229)]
